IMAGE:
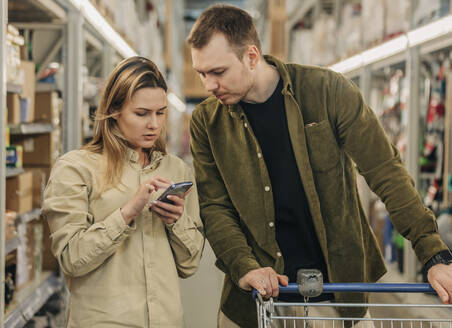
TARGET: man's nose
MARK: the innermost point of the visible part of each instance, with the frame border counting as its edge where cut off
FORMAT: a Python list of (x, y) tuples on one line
[(211, 84)]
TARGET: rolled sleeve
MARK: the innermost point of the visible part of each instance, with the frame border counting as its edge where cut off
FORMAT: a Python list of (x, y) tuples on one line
[(80, 242), (116, 226)]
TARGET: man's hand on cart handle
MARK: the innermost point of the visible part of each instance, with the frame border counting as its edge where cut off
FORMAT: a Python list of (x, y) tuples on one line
[(265, 280), (440, 277)]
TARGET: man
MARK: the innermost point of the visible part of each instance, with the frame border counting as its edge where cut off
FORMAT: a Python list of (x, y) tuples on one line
[(274, 149)]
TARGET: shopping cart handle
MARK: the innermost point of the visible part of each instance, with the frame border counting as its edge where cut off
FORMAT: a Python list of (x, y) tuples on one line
[(292, 288)]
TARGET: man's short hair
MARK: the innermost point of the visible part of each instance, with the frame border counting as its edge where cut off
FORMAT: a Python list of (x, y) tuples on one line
[(234, 23)]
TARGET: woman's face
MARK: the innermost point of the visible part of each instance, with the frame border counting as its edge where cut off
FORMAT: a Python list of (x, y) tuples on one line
[(141, 119)]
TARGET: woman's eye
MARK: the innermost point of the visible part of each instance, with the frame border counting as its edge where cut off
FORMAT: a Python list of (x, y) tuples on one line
[(141, 114), (218, 73)]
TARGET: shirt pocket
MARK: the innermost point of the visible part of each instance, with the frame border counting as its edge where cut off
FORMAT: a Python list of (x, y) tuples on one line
[(322, 146)]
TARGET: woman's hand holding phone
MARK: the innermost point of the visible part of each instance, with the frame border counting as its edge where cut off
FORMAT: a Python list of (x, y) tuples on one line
[(141, 198), (170, 213)]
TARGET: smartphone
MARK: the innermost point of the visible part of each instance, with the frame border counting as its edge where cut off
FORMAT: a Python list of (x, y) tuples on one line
[(176, 189)]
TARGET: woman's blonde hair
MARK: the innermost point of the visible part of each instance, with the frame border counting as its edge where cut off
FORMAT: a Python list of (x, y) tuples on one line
[(129, 76)]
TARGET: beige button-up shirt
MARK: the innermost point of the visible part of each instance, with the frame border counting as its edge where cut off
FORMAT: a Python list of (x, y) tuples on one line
[(120, 275)]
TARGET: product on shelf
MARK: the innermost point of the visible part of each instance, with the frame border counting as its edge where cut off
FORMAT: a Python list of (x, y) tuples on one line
[(14, 156), (27, 104), (429, 10), (10, 225), (14, 73), (373, 14)]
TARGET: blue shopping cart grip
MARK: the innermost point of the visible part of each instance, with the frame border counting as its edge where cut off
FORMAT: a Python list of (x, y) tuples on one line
[(292, 288)]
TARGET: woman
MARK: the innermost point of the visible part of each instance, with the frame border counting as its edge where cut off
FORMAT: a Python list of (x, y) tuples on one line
[(120, 249)]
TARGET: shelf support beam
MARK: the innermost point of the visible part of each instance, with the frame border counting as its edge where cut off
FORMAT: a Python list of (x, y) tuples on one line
[(73, 91), (4, 19), (107, 61), (412, 152)]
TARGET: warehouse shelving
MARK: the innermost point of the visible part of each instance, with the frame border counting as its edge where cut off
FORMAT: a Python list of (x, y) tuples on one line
[(29, 216), (13, 171), (79, 24), (11, 245), (31, 128), (38, 293), (14, 88), (406, 49)]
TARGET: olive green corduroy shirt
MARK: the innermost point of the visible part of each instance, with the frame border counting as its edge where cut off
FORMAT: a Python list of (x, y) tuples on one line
[(330, 128), (120, 275)]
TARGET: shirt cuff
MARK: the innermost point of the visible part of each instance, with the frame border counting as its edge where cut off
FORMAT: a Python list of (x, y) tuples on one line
[(181, 229), (116, 225)]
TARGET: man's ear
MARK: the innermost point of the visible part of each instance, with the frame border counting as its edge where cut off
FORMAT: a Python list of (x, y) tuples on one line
[(253, 56)]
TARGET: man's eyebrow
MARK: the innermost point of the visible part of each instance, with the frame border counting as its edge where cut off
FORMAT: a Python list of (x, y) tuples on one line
[(211, 70)]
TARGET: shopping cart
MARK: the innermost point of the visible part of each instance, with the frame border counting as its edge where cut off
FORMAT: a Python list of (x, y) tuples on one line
[(272, 314)]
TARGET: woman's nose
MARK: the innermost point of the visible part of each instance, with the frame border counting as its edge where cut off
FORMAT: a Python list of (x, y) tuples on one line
[(152, 122)]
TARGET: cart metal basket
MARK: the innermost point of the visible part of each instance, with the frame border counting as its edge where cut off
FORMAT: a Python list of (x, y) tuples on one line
[(274, 314)]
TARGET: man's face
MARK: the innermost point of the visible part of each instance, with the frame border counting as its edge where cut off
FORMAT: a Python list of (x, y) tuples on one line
[(221, 71)]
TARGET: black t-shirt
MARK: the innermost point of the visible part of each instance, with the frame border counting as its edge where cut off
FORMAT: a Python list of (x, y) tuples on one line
[(295, 232)]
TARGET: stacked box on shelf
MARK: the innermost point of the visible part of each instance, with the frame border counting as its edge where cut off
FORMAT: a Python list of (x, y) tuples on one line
[(19, 196), (21, 106), (47, 107), (39, 150), (14, 41)]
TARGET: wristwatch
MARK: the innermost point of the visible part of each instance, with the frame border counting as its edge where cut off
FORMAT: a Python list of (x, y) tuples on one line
[(443, 257)]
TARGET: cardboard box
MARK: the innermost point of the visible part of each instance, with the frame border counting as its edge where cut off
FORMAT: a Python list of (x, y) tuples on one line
[(19, 193), (13, 105), (47, 107), (28, 93), (40, 150), (40, 176)]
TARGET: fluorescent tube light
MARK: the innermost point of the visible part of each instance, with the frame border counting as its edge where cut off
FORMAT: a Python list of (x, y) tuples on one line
[(387, 49), (348, 64), (103, 27), (430, 31), (176, 102)]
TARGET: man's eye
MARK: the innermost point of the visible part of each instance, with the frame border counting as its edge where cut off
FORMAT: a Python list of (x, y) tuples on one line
[(141, 114), (218, 73), (160, 113)]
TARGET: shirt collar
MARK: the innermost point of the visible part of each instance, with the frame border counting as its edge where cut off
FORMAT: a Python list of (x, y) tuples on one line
[(132, 156)]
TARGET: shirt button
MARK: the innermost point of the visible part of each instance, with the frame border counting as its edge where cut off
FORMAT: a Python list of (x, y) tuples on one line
[(278, 254), (271, 224), (245, 125), (267, 188), (259, 155)]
